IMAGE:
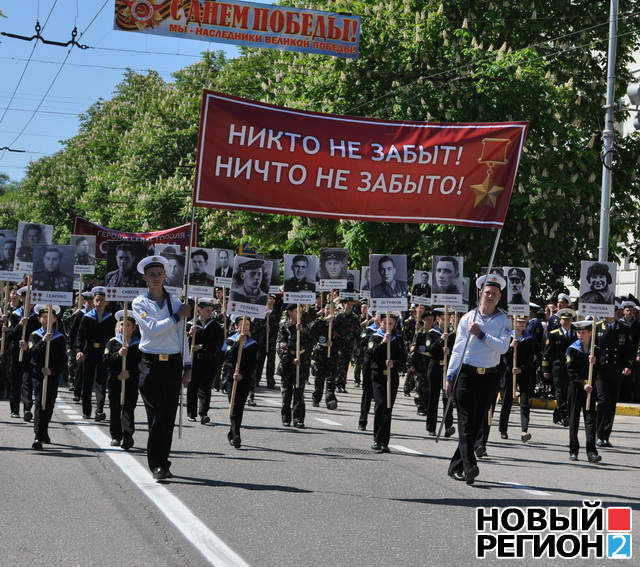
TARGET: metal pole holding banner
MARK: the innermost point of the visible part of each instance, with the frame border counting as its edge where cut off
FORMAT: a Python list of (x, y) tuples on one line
[(466, 344), (232, 402), (125, 344), (47, 350), (26, 310)]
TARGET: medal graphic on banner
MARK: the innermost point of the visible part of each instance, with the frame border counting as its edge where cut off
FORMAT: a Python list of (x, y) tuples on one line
[(486, 192)]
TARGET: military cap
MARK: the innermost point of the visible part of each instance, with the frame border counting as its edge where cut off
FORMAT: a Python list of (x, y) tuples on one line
[(40, 307), (99, 290), (584, 324), (335, 255), (629, 304), (87, 294), (566, 313), (120, 315), (565, 297), (251, 265), (206, 301), (152, 262), (493, 280), (515, 273)]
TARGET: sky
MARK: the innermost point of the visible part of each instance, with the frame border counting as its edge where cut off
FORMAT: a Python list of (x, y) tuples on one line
[(87, 75)]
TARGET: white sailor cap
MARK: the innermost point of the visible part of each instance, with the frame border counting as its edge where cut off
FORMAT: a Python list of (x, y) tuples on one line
[(629, 304), (23, 290), (566, 312), (40, 307), (533, 306), (99, 290), (152, 262), (565, 297), (206, 301), (120, 315), (87, 294), (492, 279), (584, 324)]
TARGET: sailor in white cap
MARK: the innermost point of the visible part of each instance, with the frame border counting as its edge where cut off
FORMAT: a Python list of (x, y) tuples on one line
[(73, 325), (162, 343), (563, 302), (489, 333), (28, 321), (35, 367), (11, 366)]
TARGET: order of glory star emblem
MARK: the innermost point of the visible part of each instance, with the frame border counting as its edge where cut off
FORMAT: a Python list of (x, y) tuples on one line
[(486, 192)]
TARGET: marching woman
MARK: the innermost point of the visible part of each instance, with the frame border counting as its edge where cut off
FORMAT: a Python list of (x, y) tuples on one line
[(379, 365), (243, 376), (162, 342), (124, 344), (36, 370)]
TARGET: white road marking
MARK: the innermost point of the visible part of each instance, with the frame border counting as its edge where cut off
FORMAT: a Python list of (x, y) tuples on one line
[(525, 488), (213, 549), (328, 421), (404, 449), (64, 406), (272, 402)]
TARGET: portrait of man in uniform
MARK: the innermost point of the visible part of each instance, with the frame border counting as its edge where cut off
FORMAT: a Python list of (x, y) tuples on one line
[(8, 254), (422, 284), (302, 271), (124, 256), (51, 271), (595, 286), (30, 234), (175, 268), (200, 271), (447, 278), (389, 281), (333, 264), (85, 247), (364, 278), (516, 281), (224, 263), (251, 281)]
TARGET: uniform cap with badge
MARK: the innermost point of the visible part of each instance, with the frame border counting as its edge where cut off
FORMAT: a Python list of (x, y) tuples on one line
[(493, 280), (120, 315), (152, 262), (566, 313), (40, 307), (99, 290)]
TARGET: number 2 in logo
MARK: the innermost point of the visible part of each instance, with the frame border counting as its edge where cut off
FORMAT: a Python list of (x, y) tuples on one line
[(619, 546)]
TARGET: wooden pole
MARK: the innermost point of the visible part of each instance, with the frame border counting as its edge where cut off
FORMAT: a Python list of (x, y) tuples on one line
[(47, 350), (26, 310), (590, 378), (388, 370), (515, 357), (445, 336), (125, 344), (330, 326), (79, 305), (298, 345), (5, 310), (224, 311), (232, 403), (193, 329), (266, 319)]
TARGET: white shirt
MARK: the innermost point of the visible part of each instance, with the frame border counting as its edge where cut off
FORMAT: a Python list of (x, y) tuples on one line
[(482, 352), (160, 333)]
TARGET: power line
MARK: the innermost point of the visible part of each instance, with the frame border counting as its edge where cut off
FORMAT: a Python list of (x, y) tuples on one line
[(146, 52), (141, 69), (38, 111)]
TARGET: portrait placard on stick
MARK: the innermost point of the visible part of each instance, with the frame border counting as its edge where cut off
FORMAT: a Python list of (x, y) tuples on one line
[(52, 274), (223, 266), (333, 269), (250, 287), (388, 274), (446, 285), (175, 270), (29, 234), (85, 253), (123, 282), (353, 285), (365, 283), (201, 278), (8, 254), (274, 283), (300, 272), (597, 289), (464, 306), (421, 290), (518, 289)]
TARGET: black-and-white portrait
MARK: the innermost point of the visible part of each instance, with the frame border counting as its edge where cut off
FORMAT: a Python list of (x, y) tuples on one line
[(597, 283), (447, 275), (7, 249), (30, 234), (421, 284), (300, 272), (122, 261), (202, 268), (388, 273), (223, 260), (175, 268), (518, 285), (353, 281), (333, 268), (250, 287), (274, 284), (53, 274), (365, 282), (85, 253)]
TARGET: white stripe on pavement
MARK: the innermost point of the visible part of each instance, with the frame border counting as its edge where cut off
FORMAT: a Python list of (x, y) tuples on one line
[(525, 488), (328, 421), (404, 449), (272, 402), (214, 550)]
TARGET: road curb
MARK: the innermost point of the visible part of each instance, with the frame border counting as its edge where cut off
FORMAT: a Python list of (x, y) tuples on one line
[(621, 409)]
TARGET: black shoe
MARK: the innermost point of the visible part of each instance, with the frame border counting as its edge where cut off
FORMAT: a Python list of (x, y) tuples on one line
[(76, 399), (37, 444), (332, 405), (192, 419), (251, 402), (524, 438), (86, 416), (599, 443), (377, 447), (431, 433), (168, 473), (573, 456), (449, 431), (458, 475), (385, 449), (471, 474), (416, 401), (205, 419), (481, 452), (362, 427), (315, 404), (28, 416), (236, 442), (298, 424), (565, 422), (14, 414), (504, 436), (607, 443), (115, 442), (100, 416), (421, 412), (127, 443), (594, 458), (344, 390), (45, 438), (286, 423), (159, 473), (271, 385), (356, 384)]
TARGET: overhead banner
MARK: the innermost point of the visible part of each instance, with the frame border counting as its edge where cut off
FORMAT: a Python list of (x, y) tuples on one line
[(263, 158), (178, 236), (243, 23)]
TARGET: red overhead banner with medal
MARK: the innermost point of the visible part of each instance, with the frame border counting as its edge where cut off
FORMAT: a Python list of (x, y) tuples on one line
[(264, 158)]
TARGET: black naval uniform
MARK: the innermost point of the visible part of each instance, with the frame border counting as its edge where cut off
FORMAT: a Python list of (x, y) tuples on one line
[(408, 333), (121, 420), (204, 366), (376, 359), (367, 387), (20, 382), (35, 364), (346, 325), (322, 365), (434, 344), (72, 324), (526, 381), (553, 360), (616, 353), (91, 339), (292, 397), (247, 371)]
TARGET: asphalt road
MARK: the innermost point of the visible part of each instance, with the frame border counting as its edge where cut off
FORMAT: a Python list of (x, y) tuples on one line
[(312, 497)]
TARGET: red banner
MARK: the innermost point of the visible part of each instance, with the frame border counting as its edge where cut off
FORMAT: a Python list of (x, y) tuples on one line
[(264, 158), (178, 235)]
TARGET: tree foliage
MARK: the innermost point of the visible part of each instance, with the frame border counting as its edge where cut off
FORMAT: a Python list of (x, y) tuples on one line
[(131, 164)]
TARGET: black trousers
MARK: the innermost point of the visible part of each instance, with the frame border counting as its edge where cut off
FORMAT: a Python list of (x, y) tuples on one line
[(381, 412), (27, 386), (608, 387), (121, 420), (473, 394), (14, 370), (526, 383), (42, 417), (160, 387), (292, 397), (560, 385), (93, 372), (199, 388), (320, 381), (577, 403), (367, 396), (434, 387), (235, 416)]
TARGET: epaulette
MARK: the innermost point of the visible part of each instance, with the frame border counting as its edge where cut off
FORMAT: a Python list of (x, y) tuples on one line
[(556, 331)]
